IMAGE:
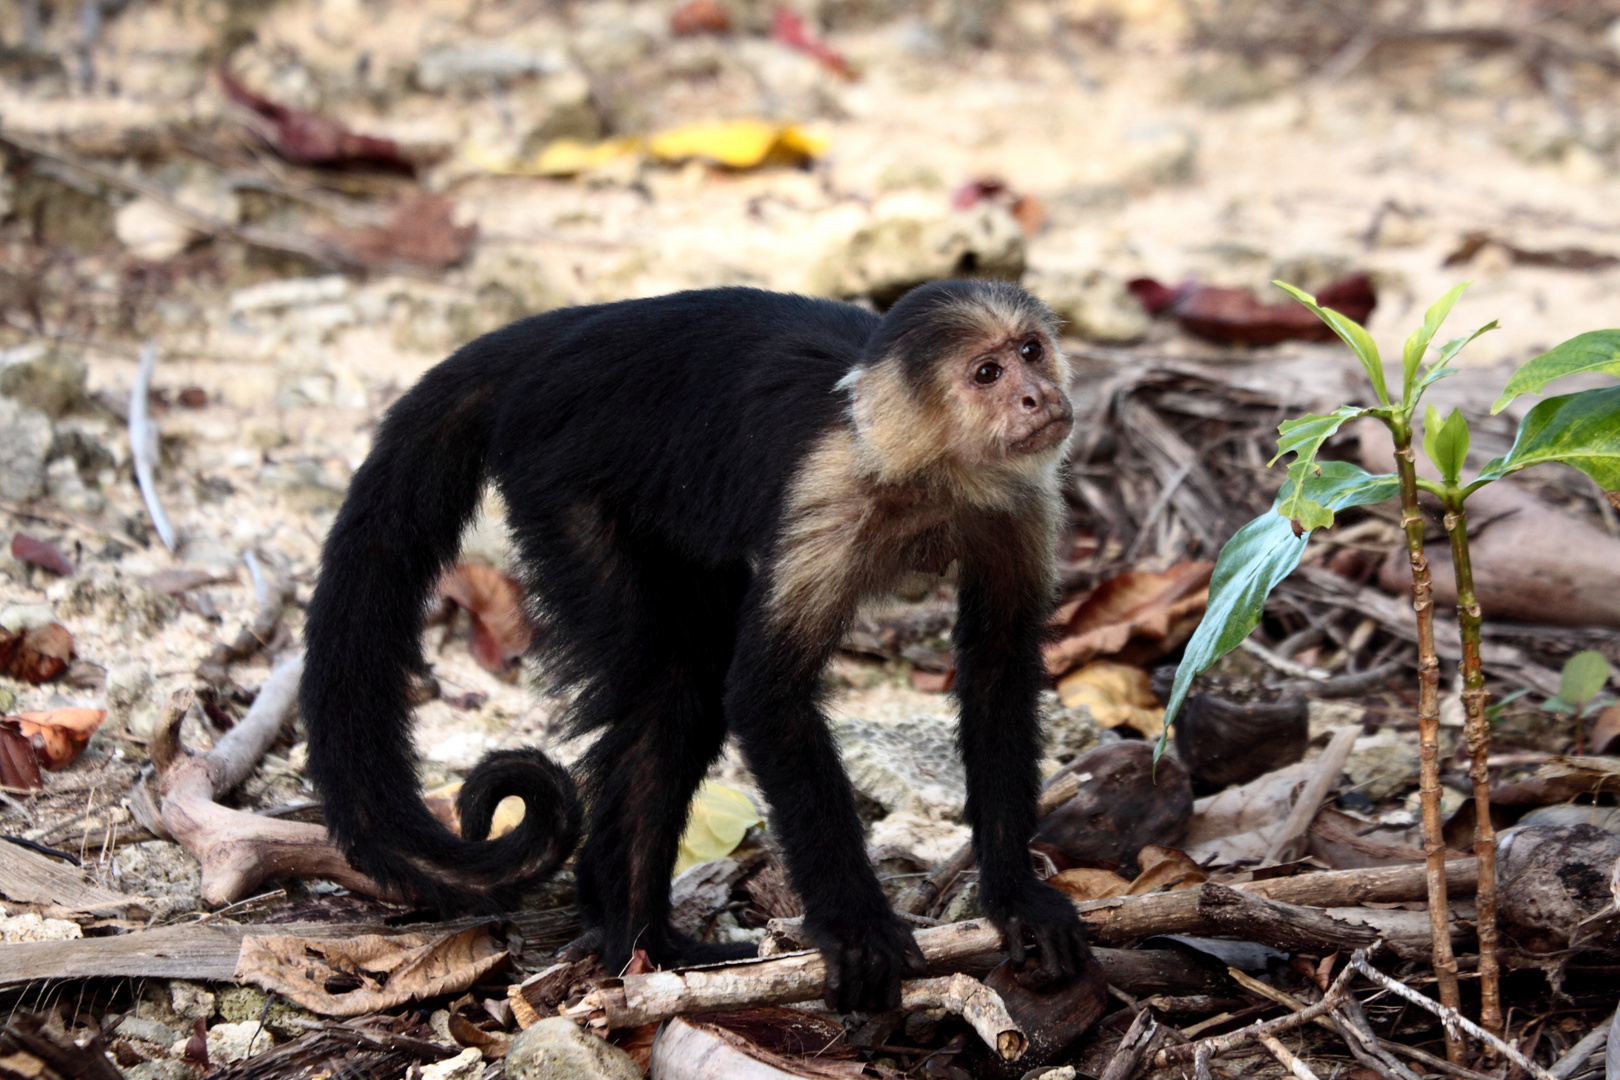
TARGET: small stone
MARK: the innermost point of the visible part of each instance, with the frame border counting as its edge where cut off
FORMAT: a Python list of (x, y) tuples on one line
[(1071, 730), (19, 617), (161, 1069), (32, 927), (931, 838), (68, 489), (1095, 304), (964, 905), (245, 1004), (43, 376), (483, 65), (189, 1000), (1154, 155), (464, 1066), (129, 685), (139, 1027), (557, 1049), (117, 599), (25, 439), (168, 874), (906, 764), (889, 257), (1383, 766), (237, 1042), (150, 230), (289, 293)]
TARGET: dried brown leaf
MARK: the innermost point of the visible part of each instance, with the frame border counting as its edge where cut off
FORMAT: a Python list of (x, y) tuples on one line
[(312, 139), (369, 973), (39, 654), (58, 735), (1158, 608), (19, 763), (40, 553), (420, 231), (1084, 883), (500, 629), (1165, 869)]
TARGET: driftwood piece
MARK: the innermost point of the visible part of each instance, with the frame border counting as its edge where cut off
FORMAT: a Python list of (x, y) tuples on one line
[(238, 850), (701, 1051), (1290, 927), (28, 877), (1132, 1048), (214, 668), (143, 445)]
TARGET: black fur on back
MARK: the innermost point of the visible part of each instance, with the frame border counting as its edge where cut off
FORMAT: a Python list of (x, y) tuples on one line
[(642, 449)]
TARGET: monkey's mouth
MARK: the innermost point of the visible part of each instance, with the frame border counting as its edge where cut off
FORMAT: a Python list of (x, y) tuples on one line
[(1048, 435)]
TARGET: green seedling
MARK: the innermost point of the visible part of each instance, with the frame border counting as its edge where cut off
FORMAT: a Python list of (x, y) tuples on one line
[(1580, 691), (1580, 429)]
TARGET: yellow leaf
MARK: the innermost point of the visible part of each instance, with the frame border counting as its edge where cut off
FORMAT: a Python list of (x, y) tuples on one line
[(1116, 694), (721, 815), (569, 157), (737, 144)]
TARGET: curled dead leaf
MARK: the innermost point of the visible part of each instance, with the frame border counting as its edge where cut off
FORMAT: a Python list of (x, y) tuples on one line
[(369, 973), (501, 631), (1151, 613), (38, 654), (1115, 694), (58, 735), (40, 553)]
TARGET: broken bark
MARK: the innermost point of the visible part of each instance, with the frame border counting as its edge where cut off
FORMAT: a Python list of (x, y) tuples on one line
[(238, 850)]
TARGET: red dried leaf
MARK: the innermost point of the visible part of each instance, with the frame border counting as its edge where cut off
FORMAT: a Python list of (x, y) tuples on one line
[(58, 735), (40, 654), (421, 231), (699, 17), (1155, 611), (19, 764), (1026, 209), (788, 29), (40, 553), (500, 629), (312, 139), (1238, 317), (193, 397)]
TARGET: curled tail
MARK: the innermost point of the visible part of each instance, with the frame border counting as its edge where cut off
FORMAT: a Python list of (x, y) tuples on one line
[(399, 527)]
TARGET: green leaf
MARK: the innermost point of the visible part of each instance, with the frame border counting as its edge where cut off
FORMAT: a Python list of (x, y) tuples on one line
[(1418, 343), (1257, 558), (1455, 345), (1580, 430), (1432, 376), (1493, 710), (1354, 335), (1557, 705), (1446, 444), (1596, 350), (1303, 437), (1583, 677)]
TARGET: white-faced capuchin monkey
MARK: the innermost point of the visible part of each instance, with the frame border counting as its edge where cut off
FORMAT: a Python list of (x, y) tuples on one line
[(701, 488)]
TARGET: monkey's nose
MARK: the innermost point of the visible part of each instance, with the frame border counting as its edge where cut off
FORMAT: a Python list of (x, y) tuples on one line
[(1030, 404)]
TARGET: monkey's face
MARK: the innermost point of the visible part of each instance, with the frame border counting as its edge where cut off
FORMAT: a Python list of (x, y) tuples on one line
[(1012, 394)]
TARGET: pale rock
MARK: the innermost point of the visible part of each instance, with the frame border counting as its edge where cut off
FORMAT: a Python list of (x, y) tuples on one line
[(1157, 154), (25, 439), (146, 1030), (556, 1048), (189, 1000), (1326, 717), (907, 763), (19, 617), (246, 1004), (155, 232), (466, 1065), (237, 1042), (129, 690), (1094, 304), (44, 376), (115, 598), (161, 1069), (964, 905), (167, 874), (1384, 765), (289, 293), (29, 926), (931, 838), (1071, 730), (482, 65), (68, 489), (304, 483), (891, 256)]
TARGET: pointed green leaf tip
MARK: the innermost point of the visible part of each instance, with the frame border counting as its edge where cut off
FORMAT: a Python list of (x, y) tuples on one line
[(1583, 678), (1597, 350), (1580, 430), (1446, 443), (1257, 558), (1354, 335), (1418, 343)]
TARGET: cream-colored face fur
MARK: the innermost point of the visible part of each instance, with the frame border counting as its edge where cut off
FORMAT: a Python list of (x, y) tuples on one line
[(986, 434)]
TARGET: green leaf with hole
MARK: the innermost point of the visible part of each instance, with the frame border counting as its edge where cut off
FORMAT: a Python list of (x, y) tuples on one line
[(1446, 443), (1418, 343), (1581, 430), (1304, 437), (1255, 561), (1354, 335), (1583, 678), (1597, 350)]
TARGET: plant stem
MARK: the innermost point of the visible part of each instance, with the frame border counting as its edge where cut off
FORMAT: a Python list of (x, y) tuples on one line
[(1479, 747), (1434, 844)]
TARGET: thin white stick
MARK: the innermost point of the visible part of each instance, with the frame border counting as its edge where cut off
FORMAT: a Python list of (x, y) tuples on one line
[(143, 444), (1328, 768), (1289, 1061), (1452, 1019)]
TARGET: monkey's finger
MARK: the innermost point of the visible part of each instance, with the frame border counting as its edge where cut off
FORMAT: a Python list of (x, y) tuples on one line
[(1014, 933)]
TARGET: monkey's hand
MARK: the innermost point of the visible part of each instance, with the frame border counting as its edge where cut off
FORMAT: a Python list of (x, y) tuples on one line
[(866, 958), (1034, 913)]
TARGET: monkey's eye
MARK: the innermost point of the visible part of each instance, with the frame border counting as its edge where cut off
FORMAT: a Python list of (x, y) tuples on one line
[(1031, 351), (987, 373)]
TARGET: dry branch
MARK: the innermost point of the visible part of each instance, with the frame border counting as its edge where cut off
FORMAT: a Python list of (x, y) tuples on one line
[(1220, 1044), (238, 850), (214, 668), (1328, 768)]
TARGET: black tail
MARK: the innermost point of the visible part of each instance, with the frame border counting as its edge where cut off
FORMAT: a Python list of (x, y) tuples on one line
[(399, 526)]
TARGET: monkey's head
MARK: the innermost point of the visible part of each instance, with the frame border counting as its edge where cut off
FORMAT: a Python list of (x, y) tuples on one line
[(966, 375)]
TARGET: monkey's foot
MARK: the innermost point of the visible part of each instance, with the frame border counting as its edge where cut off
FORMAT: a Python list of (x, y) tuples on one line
[(866, 959), (1040, 916)]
